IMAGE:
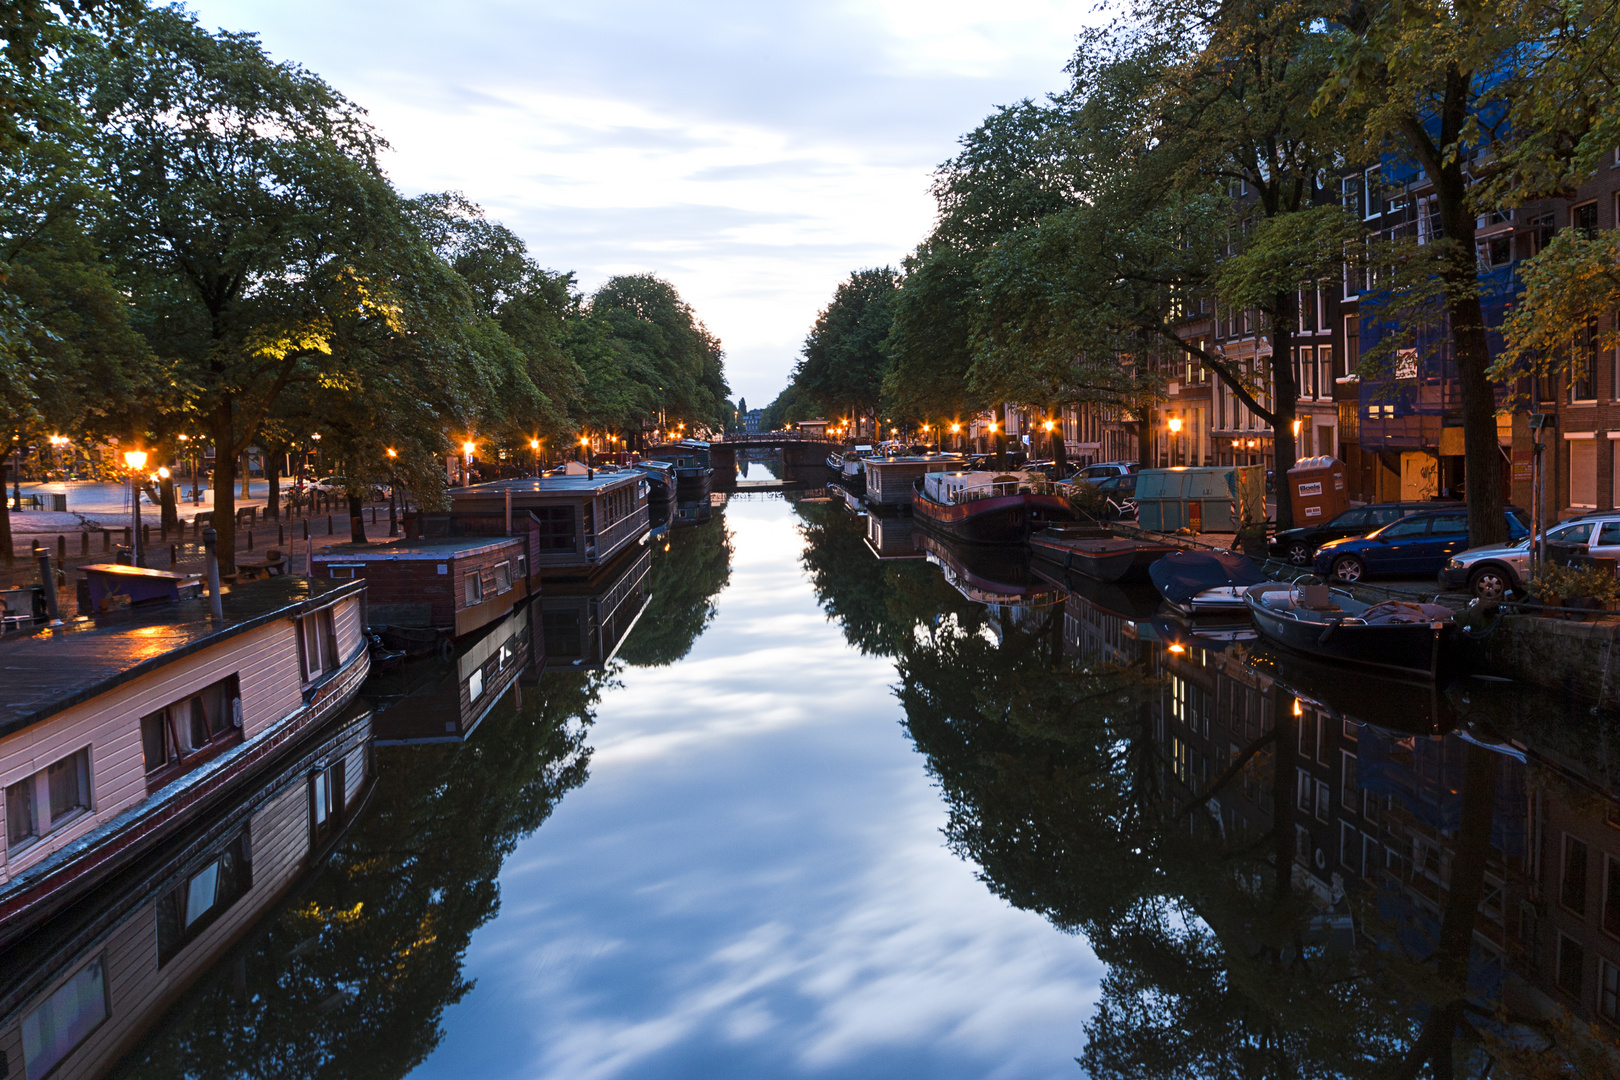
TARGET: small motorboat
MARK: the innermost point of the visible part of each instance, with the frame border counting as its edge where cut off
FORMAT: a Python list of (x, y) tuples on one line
[(1201, 583), (1392, 635), (1099, 553)]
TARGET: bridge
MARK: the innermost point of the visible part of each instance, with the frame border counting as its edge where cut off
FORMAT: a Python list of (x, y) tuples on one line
[(798, 447)]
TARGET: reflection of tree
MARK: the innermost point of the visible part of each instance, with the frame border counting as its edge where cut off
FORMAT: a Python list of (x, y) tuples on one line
[(683, 582), (877, 603), (351, 977)]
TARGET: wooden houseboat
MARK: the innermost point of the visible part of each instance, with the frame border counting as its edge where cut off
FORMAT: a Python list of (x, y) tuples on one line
[(576, 525), (694, 472), (446, 703), (582, 624), (661, 487), (117, 728), (454, 585), (82, 991), (890, 482)]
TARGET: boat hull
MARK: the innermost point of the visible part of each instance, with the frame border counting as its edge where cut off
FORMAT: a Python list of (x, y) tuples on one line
[(1001, 520), (1102, 559), (1409, 648)]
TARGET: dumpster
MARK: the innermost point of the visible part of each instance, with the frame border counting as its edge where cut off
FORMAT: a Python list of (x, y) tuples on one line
[(1316, 488), (1207, 499)]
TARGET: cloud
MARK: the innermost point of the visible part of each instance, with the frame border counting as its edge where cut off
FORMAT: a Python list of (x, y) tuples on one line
[(817, 121)]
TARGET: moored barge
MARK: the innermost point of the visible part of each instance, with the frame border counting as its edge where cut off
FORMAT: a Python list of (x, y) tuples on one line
[(984, 507)]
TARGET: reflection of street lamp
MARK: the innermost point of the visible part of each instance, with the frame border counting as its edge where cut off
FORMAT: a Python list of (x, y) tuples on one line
[(136, 460)]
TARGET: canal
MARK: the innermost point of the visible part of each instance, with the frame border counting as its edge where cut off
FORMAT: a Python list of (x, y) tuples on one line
[(847, 802)]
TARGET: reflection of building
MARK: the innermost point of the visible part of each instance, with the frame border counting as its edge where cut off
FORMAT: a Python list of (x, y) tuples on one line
[(79, 993), (584, 623), (457, 696), (893, 537)]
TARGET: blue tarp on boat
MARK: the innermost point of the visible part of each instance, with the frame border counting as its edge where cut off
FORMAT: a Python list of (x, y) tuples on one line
[(1183, 575)]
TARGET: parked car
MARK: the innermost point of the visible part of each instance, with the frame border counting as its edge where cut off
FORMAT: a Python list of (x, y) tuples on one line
[(1416, 544), (1103, 469), (1493, 570), (1050, 470), (1298, 546)]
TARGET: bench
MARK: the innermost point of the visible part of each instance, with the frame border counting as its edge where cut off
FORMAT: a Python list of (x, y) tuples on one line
[(139, 585), (273, 564)]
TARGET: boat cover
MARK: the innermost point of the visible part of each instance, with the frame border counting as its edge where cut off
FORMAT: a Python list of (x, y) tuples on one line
[(1182, 575)]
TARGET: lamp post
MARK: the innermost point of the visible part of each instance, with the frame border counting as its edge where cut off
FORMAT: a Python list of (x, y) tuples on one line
[(467, 449), (136, 460), (534, 444), (585, 452), (1297, 424), (1175, 437), (393, 519)]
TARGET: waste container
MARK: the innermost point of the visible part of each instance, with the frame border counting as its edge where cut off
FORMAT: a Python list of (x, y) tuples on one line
[(1317, 490), (55, 500), (1206, 499)]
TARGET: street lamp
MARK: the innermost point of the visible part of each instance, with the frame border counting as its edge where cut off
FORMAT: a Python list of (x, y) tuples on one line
[(1175, 434), (534, 444), (136, 460), (393, 517)]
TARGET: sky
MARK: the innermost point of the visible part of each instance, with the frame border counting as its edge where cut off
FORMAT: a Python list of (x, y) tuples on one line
[(753, 154)]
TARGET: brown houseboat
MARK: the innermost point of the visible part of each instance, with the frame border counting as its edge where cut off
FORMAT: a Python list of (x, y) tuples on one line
[(456, 585), (575, 524)]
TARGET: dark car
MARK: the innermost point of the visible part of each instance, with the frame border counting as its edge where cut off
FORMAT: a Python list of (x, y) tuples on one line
[(1416, 544), (1114, 497), (1297, 546)]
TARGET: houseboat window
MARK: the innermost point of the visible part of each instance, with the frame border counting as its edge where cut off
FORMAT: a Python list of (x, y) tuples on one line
[(55, 1027), (523, 566), (555, 528), (22, 823), (587, 511), (503, 577), (474, 585), (325, 802), (69, 784), (317, 644), (190, 907), (156, 746), (475, 685)]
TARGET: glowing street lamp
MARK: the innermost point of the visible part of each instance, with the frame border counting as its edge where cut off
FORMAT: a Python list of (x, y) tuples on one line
[(1175, 433), (534, 445), (136, 461), (393, 517)]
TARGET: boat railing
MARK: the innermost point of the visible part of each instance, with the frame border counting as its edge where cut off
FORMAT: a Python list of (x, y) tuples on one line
[(1000, 489)]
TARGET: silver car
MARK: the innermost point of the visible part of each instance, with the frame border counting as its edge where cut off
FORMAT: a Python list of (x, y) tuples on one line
[(1491, 571)]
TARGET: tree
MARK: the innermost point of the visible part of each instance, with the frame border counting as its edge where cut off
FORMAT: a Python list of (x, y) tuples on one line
[(684, 580), (843, 362), (247, 201)]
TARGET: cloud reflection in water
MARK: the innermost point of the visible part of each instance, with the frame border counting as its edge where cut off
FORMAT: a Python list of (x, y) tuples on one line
[(753, 882)]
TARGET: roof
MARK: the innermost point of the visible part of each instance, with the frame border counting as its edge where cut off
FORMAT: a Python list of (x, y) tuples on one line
[(427, 548), (550, 485), (920, 459), (53, 668)]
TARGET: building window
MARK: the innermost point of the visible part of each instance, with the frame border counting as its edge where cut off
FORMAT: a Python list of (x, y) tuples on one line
[(503, 577), (1324, 364), (1611, 896), (1582, 472), (1584, 219), (1349, 791), (1324, 801), (38, 805), (1349, 847), (1609, 991), (1572, 887), (1571, 961), (317, 644), (1374, 203), (194, 904), (53, 1029), (554, 528)]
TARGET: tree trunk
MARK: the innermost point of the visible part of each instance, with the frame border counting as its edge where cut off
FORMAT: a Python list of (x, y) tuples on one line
[(357, 521), (169, 512), (1487, 520), (272, 479), (1284, 404), (1001, 450), (224, 432), (1144, 439), (247, 474), (5, 516)]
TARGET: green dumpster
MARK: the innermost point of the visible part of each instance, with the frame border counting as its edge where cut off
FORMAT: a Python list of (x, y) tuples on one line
[(1208, 499)]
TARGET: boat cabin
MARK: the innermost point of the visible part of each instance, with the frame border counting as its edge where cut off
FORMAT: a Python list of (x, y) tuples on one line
[(583, 624), (890, 481), (575, 524), (454, 584), (693, 468), (108, 721), (81, 992)]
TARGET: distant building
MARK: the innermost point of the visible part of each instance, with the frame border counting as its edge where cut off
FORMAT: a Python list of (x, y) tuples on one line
[(751, 421), (813, 427)]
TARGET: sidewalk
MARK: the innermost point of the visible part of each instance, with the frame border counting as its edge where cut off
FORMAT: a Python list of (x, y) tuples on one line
[(99, 506)]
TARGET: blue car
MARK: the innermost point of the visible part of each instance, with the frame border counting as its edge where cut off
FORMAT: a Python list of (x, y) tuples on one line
[(1419, 544)]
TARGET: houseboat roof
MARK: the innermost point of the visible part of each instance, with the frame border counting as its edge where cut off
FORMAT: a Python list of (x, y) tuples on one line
[(53, 668), (426, 549), (552, 485), (917, 459)]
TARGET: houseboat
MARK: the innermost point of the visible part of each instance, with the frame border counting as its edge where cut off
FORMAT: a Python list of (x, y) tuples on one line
[(999, 578), (576, 525), (987, 507), (453, 586), (1099, 553), (891, 481), (661, 485), (446, 702), (694, 472), (582, 624), (130, 722), (82, 990), (892, 537)]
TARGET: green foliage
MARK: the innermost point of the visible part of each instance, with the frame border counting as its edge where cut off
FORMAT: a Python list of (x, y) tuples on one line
[(1554, 321), (683, 583), (844, 362), (1569, 582)]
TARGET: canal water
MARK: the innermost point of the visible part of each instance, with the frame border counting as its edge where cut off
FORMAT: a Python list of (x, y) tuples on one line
[(845, 801)]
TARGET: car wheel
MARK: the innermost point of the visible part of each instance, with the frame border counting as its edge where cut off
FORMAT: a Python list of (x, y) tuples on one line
[(1489, 583), (1299, 554), (1348, 568)]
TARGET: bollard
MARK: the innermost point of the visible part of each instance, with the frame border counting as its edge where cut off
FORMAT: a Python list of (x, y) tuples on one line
[(306, 528), (328, 524), (106, 540), (216, 606), (374, 515), (48, 580), (281, 534), (174, 555), (61, 550), (129, 537), (250, 539), (84, 543), (146, 536)]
